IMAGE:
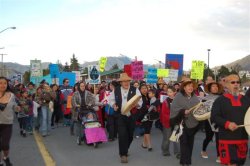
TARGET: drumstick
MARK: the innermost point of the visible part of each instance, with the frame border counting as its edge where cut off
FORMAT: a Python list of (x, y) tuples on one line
[(243, 125)]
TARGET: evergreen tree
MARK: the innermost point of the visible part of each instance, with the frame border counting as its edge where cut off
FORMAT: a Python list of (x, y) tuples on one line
[(26, 77), (66, 68), (85, 70), (46, 72), (74, 65), (223, 71), (207, 72), (115, 66)]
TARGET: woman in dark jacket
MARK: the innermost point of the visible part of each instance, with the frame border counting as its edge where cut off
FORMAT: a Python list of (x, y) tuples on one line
[(58, 101)]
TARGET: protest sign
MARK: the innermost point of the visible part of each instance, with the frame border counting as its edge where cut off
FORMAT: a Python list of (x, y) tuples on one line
[(137, 70), (197, 70)]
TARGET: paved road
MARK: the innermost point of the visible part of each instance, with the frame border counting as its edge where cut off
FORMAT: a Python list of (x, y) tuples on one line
[(64, 150)]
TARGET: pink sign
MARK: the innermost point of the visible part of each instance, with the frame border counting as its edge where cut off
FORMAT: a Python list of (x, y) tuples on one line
[(137, 70), (96, 134)]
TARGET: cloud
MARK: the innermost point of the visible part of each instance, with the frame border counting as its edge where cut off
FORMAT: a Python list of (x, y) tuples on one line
[(146, 29), (227, 25)]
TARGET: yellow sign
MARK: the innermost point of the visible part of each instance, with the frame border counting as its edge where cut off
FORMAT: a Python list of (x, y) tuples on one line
[(162, 72), (102, 63), (197, 70)]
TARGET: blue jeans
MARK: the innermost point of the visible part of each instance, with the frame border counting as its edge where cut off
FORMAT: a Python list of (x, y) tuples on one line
[(29, 127), (139, 130), (45, 121)]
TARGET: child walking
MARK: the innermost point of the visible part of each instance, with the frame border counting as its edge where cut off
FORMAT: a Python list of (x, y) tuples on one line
[(147, 121), (26, 107), (167, 128)]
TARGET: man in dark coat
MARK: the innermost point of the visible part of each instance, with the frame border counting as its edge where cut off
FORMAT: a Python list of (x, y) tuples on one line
[(228, 112)]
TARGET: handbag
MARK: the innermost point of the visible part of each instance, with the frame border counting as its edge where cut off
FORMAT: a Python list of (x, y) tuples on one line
[(177, 132)]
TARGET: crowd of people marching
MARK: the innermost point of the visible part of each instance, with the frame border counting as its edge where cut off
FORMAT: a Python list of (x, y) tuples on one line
[(166, 105)]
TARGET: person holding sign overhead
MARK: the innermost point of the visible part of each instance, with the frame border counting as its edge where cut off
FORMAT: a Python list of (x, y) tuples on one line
[(126, 121), (228, 112)]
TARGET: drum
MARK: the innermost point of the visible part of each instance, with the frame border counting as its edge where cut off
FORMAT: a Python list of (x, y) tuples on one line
[(130, 104), (247, 121), (202, 111)]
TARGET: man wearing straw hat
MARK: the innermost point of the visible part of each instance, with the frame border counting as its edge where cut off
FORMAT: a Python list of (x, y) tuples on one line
[(228, 112), (126, 122)]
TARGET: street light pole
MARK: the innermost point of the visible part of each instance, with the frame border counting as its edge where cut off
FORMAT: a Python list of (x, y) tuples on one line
[(7, 29), (208, 50), (160, 62), (2, 70)]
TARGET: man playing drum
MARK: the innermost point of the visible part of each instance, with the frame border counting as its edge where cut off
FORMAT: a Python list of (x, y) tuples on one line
[(228, 113), (126, 122)]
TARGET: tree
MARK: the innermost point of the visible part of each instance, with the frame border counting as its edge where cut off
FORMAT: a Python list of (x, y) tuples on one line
[(74, 66), (115, 66), (66, 68), (223, 71), (26, 77), (85, 70), (244, 78), (46, 72), (207, 72)]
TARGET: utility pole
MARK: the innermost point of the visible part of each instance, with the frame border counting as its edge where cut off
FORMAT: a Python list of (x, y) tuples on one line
[(208, 50), (2, 68), (160, 62)]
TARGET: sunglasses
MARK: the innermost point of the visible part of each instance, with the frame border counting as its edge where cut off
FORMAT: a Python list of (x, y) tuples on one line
[(235, 82)]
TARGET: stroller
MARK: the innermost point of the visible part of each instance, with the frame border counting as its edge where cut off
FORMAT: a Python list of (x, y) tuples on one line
[(91, 130)]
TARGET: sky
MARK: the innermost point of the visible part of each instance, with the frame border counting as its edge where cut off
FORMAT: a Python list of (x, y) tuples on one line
[(52, 30)]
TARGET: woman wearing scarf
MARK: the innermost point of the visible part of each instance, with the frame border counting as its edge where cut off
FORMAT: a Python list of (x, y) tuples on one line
[(183, 101), (84, 101), (214, 90)]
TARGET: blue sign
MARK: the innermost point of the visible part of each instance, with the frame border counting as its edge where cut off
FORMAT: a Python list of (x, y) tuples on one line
[(54, 70), (152, 75), (69, 75), (175, 61)]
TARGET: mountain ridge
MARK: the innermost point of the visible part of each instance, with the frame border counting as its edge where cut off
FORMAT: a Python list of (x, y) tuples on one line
[(16, 68)]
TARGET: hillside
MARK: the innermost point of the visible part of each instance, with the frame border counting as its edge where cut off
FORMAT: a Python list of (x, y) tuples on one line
[(244, 63), (11, 69), (120, 61)]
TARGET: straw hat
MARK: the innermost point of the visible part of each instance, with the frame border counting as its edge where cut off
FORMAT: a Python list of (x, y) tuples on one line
[(186, 81), (124, 77), (183, 78), (209, 85)]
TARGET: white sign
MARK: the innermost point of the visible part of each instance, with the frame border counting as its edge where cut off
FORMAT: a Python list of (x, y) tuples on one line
[(94, 74), (172, 76), (35, 68)]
